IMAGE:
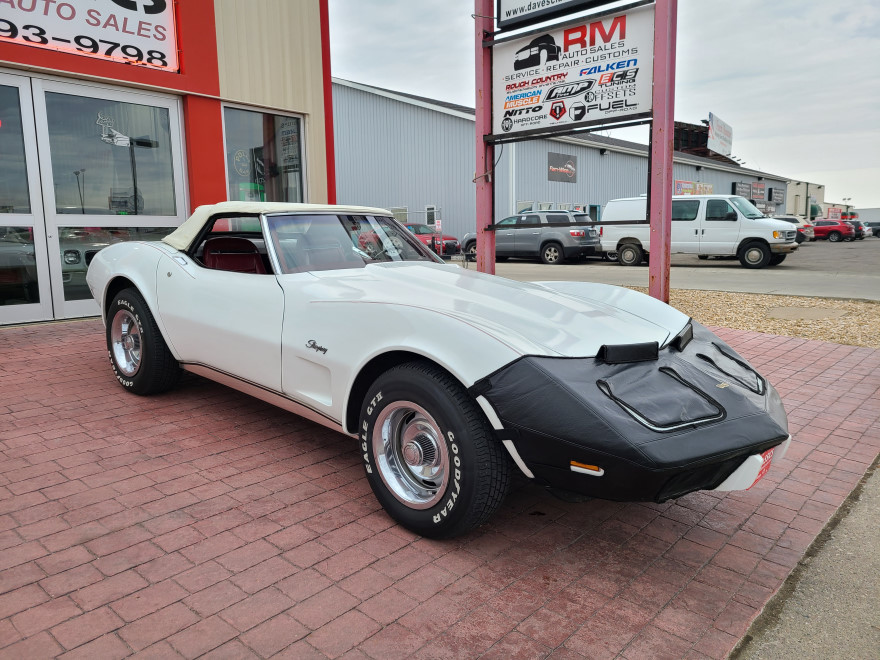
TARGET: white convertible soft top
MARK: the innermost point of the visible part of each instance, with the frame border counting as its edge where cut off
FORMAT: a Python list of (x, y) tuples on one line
[(182, 237)]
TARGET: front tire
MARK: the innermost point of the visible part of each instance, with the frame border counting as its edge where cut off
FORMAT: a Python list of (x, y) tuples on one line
[(777, 259), (138, 354), (430, 455), (755, 255), (630, 254)]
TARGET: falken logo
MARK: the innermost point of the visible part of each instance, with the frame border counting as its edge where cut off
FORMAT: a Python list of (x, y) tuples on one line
[(557, 110), (569, 90)]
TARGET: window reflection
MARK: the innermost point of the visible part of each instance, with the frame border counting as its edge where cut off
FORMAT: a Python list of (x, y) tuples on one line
[(79, 245), (18, 267), (109, 157), (263, 156), (13, 173)]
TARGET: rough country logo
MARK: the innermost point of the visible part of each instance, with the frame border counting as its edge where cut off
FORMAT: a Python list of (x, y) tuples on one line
[(570, 89), (557, 110), (151, 7), (506, 124)]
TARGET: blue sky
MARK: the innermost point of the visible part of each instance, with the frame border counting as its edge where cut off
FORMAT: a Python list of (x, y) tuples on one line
[(798, 80)]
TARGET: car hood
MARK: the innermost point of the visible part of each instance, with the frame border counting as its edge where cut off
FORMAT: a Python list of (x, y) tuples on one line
[(571, 319)]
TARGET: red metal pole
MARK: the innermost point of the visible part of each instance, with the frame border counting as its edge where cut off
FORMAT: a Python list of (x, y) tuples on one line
[(484, 11), (662, 131)]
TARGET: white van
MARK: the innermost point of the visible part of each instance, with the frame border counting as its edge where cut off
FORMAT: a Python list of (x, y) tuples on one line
[(705, 225)]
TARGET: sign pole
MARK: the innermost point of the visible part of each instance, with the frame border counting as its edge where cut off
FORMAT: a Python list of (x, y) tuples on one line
[(484, 14), (662, 131)]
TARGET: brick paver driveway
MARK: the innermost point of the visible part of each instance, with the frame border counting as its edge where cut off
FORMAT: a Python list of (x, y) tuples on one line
[(204, 522)]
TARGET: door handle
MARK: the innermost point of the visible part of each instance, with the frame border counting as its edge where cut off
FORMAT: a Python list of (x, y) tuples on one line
[(536, 233)]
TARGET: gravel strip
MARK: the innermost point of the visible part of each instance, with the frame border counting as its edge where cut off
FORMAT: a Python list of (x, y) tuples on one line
[(858, 326)]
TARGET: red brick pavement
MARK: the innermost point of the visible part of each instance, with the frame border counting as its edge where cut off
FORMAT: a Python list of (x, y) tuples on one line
[(204, 522)]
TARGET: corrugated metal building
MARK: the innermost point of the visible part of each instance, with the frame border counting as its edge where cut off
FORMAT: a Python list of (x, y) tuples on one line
[(416, 156)]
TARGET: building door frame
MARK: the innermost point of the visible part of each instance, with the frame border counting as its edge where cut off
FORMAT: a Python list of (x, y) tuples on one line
[(35, 220)]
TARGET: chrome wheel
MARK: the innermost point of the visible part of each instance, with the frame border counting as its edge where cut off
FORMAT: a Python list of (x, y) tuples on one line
[(411, 454), (125, 342)]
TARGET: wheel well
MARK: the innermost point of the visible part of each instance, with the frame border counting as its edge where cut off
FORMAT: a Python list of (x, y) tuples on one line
[(549, 241), (749, 241), (115, 286), (369, 373), (628, 241)]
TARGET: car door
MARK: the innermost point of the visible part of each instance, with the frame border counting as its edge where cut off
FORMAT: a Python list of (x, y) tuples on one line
[(505, 237), (229, 321), (720, 229), (685, 235), (527, 235)]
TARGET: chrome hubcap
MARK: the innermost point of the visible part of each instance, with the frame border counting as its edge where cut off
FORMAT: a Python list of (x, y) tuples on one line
[(410, 454), (125, 342), (754, 256)]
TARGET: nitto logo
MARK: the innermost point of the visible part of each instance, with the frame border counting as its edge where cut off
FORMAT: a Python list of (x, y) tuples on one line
[(557, 110), (516, 112), (570, 89), (150, 6)]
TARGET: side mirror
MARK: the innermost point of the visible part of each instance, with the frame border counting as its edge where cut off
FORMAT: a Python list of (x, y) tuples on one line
[(731, 215)]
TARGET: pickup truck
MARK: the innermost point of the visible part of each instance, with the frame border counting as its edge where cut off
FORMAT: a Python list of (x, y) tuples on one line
[(705, 225)]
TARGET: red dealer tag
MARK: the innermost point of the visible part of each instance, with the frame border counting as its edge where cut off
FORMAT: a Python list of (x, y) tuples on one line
[(767, 457)]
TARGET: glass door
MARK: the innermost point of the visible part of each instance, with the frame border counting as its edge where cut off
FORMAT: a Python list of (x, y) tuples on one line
[(112, 171), (25, 294)]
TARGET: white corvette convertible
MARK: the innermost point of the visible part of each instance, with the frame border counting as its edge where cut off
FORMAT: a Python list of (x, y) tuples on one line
[(449, 379)]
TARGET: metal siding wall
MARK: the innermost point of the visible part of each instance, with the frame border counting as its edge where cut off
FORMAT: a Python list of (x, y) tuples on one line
[(599, 178), (390, 153)]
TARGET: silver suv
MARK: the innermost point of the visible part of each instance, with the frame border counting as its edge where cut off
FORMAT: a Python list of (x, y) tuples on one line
[(538, 234)]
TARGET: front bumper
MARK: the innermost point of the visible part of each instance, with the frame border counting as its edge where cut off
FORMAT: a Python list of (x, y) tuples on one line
[(637, 431), (783, 248)]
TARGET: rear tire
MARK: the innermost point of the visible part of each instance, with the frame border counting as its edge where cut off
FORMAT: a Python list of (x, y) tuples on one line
[(552, 254), (835, 237), (630, 254), (703, 257), (754, 255), (138, 354), (431, 457)]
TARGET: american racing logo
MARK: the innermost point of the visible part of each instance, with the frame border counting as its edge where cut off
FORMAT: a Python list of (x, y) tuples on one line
[(522, 99), (568, 90), (614, 66), (557, 110)]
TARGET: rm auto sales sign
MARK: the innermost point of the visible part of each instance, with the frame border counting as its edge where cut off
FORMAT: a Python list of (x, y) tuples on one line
[(139, 32), (599, 71)]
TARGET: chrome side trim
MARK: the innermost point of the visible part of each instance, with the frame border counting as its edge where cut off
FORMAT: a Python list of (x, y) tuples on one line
[(267, 395), (514, 454)]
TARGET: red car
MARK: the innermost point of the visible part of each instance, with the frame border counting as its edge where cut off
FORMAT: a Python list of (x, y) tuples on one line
[(444, 245), (834, 230)]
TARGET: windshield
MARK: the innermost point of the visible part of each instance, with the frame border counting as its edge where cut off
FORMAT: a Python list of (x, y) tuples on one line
[(746, 207), (421, 229), (328, 242)]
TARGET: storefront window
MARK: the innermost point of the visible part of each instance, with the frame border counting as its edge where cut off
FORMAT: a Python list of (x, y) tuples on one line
[(263, 156), (18, 267), (79, 245), (110, 157), (13, 174)]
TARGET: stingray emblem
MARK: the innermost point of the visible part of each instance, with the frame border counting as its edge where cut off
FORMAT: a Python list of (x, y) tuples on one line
[(723, 385), (314, 346)]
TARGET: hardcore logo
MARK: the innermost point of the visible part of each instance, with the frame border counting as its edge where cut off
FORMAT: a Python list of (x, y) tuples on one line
[(506, 124), (569, 89), (557, 110)]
